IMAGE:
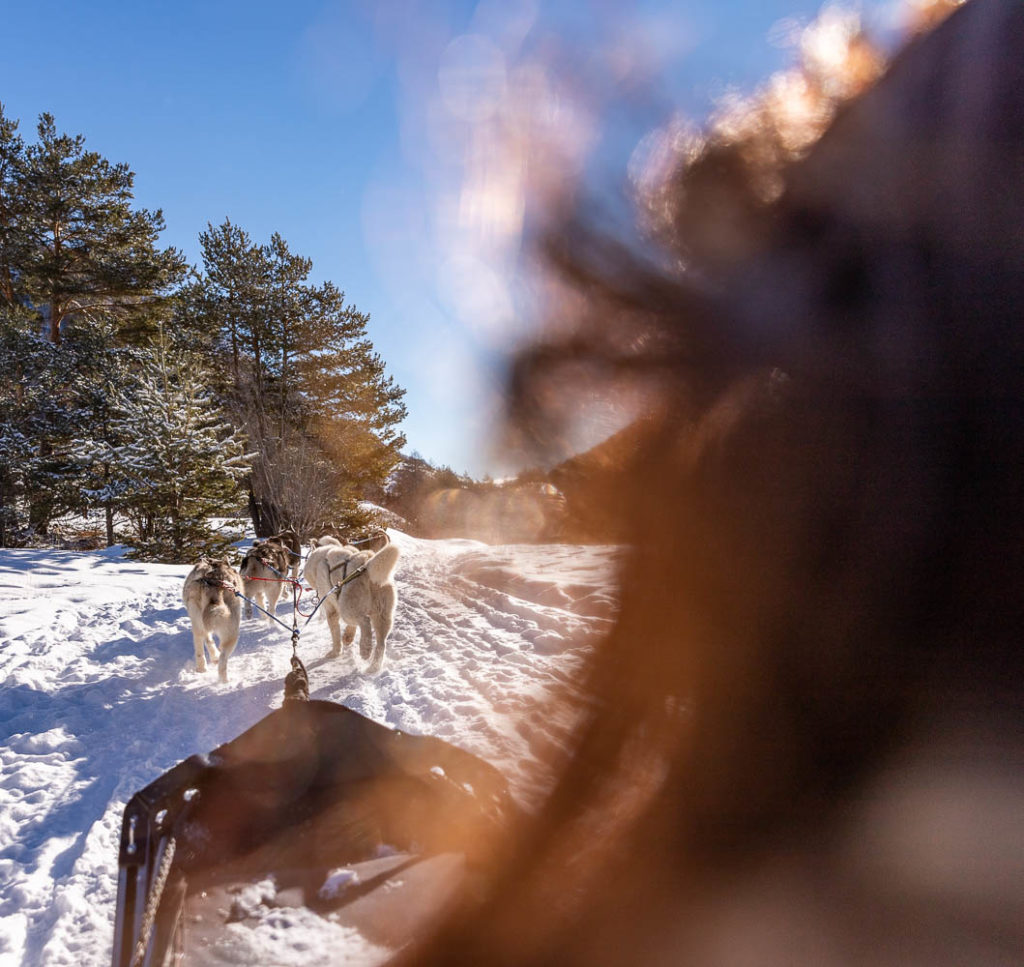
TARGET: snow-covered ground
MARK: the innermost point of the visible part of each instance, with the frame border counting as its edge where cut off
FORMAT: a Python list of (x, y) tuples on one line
[(99, 696)]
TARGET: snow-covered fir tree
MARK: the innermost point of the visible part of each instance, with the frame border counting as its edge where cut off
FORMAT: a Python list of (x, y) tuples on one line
[(173, 459), (40, 426), (102, 368)]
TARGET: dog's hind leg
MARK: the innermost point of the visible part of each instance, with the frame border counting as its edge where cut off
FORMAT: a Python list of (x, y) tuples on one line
[(199, 637), (227, 646), (383, 621), (334, 623), (211, 648), (365, 637), (198, 640), (377, 662), (273, 596)]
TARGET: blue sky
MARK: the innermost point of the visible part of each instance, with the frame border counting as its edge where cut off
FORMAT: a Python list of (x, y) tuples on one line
[(352, 128)]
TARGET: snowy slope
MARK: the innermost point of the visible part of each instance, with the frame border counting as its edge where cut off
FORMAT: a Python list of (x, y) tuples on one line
[(99, 696)]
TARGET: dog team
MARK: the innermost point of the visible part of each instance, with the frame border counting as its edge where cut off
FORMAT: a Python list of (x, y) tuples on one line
[(355, 585)]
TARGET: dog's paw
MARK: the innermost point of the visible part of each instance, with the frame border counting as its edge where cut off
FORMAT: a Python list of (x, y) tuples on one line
[(376, 663), (201, 666)]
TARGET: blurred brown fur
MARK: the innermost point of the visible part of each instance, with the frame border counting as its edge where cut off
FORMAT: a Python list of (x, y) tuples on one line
[(806, 739)]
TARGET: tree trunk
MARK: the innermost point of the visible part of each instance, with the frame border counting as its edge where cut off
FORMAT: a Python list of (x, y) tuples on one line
[(54, 324), (265, 515), (39, 517), (109, 513), (234, 353), (55, 315)]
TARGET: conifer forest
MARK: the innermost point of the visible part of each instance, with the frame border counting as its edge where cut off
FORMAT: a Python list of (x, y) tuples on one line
[(155, 395)]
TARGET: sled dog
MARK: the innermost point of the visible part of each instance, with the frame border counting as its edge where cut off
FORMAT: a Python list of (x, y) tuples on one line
[(215, 609), (328, 539), (365, 599), (374, 540), (264, 571), (290, 541)]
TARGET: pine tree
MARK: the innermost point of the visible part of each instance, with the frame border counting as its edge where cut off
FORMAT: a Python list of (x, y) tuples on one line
[(84, 252), (102, 367), (19, 410), (75, 256), (41, 422), (302, 376), (13, 243), (176, 461), (344, 380)]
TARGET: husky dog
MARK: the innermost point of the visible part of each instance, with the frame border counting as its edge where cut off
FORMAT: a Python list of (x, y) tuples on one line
[(264, 571), (290, 541), (327, 539), (358, 598), (211, 599), (375, 540)]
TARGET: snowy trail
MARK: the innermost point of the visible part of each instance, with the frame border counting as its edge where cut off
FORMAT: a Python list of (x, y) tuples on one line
[(99, 696)]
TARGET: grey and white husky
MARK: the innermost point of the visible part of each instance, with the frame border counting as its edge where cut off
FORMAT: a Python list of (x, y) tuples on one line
[(264, 570), (215, 609)]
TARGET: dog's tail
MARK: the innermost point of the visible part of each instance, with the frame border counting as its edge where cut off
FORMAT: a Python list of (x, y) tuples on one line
[(381, 566)]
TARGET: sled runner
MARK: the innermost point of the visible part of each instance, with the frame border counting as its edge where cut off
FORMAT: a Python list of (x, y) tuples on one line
[(312, 794)]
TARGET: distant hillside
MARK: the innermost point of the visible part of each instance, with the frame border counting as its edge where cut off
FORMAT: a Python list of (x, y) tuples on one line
[(610, 455), (437, 502), (590, 480), (567, 503)]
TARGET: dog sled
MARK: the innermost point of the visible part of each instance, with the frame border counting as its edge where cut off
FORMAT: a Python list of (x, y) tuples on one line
[(315, 810)]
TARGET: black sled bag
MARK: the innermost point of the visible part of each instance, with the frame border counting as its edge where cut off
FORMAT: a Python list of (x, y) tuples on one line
[(311, 787)]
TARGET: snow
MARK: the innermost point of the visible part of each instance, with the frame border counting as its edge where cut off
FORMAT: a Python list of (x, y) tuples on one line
[(338, 881), (100, 696)]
